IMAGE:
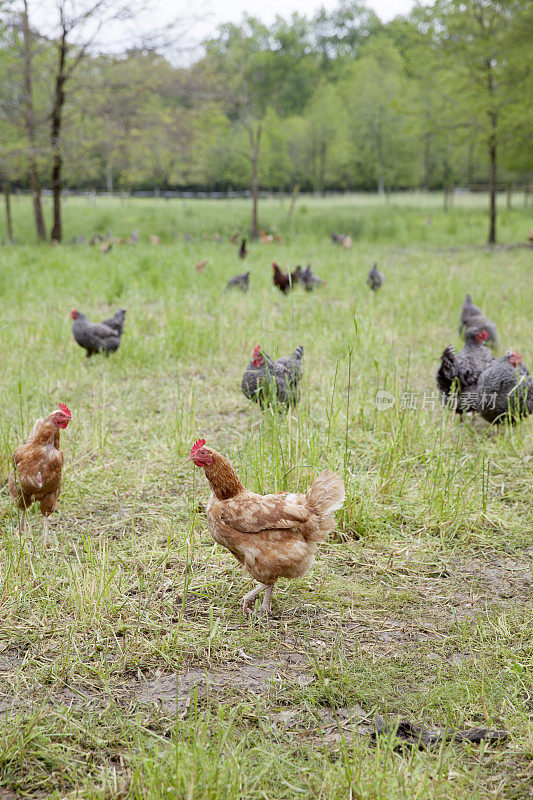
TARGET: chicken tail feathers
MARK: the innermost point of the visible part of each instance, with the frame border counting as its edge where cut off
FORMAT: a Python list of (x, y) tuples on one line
[(447, 371), (327, 494)]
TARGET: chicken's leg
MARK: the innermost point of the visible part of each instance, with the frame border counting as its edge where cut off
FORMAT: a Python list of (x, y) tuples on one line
[(46, 532), (265, 605), (248, 599), (22, 523)]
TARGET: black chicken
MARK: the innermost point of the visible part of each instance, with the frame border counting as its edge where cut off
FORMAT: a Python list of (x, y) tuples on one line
[(270, 382), (505, 390), (458, 373), (243, 252), (472, 317), (98, 337)]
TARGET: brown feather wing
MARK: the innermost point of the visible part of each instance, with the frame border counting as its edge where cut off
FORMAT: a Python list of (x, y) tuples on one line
[(254, 513), (38, 468)]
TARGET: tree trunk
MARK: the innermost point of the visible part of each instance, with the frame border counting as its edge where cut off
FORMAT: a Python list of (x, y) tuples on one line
[(109, 180), (255, 142), (322, 166), (294, 195), (492, 187), (493, 155), (448, 185), (9, 224), (55, 134), (470, 166), (29, 115), (255, 195), (379, 159), (427, 162)]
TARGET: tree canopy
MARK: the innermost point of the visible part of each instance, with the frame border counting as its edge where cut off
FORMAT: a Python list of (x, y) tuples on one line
[(337, 101)]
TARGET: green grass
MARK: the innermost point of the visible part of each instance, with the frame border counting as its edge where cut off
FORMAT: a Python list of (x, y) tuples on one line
[(418, 608)]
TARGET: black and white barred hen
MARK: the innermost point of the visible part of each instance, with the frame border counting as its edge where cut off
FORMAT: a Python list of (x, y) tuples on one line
[(472, 317), (309, 279), (273, 383), (241, 281), (458, 373), (375, 278), (116, 322), (98, 337), (505, 390)]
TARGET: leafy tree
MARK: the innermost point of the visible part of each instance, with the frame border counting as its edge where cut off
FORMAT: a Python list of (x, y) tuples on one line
[(238, 51), (334, 101), (376, 93), (340, 33), (326, 137), (486, 46), (22, 104)]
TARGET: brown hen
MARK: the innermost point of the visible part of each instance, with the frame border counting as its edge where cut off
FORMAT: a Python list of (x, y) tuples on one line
[(274, 535), (38, 467)]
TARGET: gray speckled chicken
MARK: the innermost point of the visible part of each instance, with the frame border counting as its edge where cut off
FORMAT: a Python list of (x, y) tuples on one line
[(98, 337), (241, 282), (116, 322), (472, 316), (270, 382), (375, 278), (310, 280), (458, 373), (505, 390)]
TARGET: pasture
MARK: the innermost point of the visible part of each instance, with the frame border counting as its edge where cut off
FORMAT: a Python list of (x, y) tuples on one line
[(126, 667)]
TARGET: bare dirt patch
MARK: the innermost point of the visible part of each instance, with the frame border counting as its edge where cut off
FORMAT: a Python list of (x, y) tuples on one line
[(10, 660), (174, 691), (7, 794), (501, 577)]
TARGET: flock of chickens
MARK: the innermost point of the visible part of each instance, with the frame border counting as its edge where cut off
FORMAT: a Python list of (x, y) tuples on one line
[(286, 281), (276, 535), (500, 389)]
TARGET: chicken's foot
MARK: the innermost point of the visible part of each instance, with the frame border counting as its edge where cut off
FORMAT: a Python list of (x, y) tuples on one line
[(46, 532), (265, 605), (249, 599), (22, 523)]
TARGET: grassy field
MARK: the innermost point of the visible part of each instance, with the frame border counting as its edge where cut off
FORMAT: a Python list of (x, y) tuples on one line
[(126, 668)]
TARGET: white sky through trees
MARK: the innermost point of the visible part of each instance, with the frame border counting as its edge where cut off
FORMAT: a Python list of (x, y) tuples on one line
[(232, 10), (190, 22)]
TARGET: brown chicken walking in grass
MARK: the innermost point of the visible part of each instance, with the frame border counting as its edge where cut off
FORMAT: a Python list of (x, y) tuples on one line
[(273, 535), (38, 467)]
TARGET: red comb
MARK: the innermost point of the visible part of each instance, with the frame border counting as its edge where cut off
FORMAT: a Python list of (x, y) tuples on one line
[(65, 410), (257, 349), (197, 446)]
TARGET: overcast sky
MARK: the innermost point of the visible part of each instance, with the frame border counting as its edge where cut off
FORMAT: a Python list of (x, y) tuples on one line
[(199, 18), (211, 13), (232, 10)]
